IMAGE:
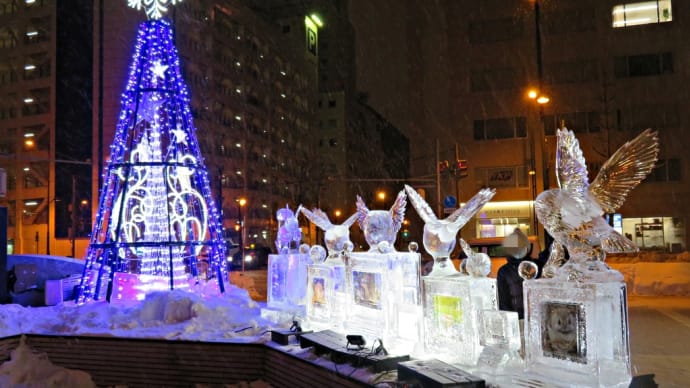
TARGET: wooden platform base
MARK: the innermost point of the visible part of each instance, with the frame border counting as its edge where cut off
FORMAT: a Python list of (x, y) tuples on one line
[(328, 341)]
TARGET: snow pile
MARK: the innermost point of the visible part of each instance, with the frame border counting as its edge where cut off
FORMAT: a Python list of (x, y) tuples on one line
[(28, 369), (172, 314), (642, 278)]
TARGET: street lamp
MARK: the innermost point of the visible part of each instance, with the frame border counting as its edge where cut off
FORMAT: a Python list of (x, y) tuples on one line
[(241, 202), (381, 195), (337, 214)]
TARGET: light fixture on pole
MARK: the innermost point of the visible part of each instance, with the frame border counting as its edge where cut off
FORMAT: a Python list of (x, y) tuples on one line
[(241, 202)]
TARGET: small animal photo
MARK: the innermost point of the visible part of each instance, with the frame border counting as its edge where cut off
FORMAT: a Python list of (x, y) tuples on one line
[(563, 331), (367, 287), (318, 295)]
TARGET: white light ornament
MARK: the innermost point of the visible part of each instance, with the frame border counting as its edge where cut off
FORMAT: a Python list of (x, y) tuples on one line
[(154, 8)]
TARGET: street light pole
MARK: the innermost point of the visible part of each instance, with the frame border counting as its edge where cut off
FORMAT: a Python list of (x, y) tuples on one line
[(241, 202)]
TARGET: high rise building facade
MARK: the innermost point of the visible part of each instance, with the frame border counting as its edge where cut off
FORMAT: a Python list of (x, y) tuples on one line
[(259, 100), (45, 123), (609, 68)]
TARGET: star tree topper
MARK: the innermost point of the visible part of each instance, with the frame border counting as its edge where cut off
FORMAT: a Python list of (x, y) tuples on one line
[(154, 8)]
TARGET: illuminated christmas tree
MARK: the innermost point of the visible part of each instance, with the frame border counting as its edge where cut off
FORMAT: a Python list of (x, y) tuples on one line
[(157, 226)]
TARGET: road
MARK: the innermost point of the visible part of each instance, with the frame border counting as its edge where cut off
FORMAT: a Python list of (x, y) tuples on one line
[(660, 338)]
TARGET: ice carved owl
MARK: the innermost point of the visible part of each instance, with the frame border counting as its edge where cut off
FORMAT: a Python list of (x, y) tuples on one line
[(381, 225)]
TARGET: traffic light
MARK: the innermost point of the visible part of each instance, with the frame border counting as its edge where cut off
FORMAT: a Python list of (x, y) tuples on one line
[(460, 170), (443, 166), (406, 234)]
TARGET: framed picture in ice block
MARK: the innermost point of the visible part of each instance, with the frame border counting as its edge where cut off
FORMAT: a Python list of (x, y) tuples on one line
[(367, 289), (563, 331), (577, 332), (448, 312), (318, 291)]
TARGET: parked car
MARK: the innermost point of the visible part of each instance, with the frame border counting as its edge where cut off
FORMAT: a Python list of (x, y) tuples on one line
[(254, 258)]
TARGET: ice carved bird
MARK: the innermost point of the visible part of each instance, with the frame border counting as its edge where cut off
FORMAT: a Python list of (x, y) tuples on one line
[(336, 236), (572, 214), (439, 235), (379, 225)]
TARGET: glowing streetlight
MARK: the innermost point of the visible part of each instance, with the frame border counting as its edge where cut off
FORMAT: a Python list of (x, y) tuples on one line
[(538, 96)]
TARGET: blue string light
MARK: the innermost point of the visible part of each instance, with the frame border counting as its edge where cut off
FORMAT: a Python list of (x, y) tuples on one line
[(157, 226)]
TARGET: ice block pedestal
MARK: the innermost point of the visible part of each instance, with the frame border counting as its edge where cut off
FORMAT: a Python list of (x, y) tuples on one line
[(452, 306), (287, 287), (326, 294), (577, 332), (384, 299)]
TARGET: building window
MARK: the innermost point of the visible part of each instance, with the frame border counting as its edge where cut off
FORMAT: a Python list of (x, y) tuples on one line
[(502, 128), (331, 103), (643, 65), (578, 122), (645, 12), (658, 233), (572, 72)]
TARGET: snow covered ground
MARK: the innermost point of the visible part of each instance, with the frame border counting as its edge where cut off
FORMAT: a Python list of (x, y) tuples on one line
[(659, 331), (174, 315)]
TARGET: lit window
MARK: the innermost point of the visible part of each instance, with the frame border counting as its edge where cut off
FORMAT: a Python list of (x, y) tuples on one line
[(646, 12)]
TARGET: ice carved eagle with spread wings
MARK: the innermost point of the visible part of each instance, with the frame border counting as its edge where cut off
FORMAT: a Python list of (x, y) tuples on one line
[(572, 214), (380, 225), (439, 235), (336, 237)]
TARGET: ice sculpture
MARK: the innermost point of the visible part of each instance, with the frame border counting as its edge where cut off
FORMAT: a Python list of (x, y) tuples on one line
[(384, 296), (326, 304), (335, 237), (499, 335), (380, 226), (576, 321), (287, 271), (440, 235), (555, 261), (453, 301), (572, 214), (477, 264), (289, 233)]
